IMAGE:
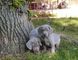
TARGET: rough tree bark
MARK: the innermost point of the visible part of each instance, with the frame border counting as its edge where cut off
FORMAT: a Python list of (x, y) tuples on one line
[(14, 29)]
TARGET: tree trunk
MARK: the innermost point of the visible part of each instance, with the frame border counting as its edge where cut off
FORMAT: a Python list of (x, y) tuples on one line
[(14, 30)]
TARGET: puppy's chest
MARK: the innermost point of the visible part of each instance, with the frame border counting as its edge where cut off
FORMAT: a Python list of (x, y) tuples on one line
[(54, 38)]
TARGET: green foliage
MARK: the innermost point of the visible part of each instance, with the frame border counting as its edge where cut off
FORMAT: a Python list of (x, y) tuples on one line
[(18, 3), (14, 3)]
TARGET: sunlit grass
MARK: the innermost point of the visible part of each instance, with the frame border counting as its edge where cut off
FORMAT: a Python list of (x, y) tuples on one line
[(67, 26), (67, 50)]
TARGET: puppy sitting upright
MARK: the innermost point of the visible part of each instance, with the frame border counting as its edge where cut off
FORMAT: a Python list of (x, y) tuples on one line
[(53, 40)]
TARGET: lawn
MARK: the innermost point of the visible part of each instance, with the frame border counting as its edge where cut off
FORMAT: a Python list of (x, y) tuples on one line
[(67, 51)]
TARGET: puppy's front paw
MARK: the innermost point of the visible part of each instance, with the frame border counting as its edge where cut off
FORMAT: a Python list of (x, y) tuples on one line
[(53, 51)]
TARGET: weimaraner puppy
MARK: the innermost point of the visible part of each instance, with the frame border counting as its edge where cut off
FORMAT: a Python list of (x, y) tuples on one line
[(52, 39), (37, 36), (39, 30), (34, 44)]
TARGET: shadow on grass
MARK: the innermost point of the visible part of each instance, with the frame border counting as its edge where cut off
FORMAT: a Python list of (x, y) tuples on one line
[(67, 50), (63, 24)]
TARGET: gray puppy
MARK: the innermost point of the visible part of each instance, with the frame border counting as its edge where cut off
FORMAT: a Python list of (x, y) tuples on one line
[(37, 37), (34, 44), (53, 39), (38, 32)]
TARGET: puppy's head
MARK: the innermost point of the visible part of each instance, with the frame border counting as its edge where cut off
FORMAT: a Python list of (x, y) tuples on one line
[(34, 45), (41, 32), (44, 31), (47, 27)]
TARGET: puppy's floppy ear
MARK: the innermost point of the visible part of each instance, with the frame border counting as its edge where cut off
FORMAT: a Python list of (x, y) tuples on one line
[(40, 30), (39, 43), (50, 29), (29, 45)]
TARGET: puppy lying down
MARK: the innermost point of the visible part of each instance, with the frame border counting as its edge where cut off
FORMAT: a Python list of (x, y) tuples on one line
[(53, 39)]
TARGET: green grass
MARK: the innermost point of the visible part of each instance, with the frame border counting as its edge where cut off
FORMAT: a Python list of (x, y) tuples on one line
[(67, 51), (70, 25)]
